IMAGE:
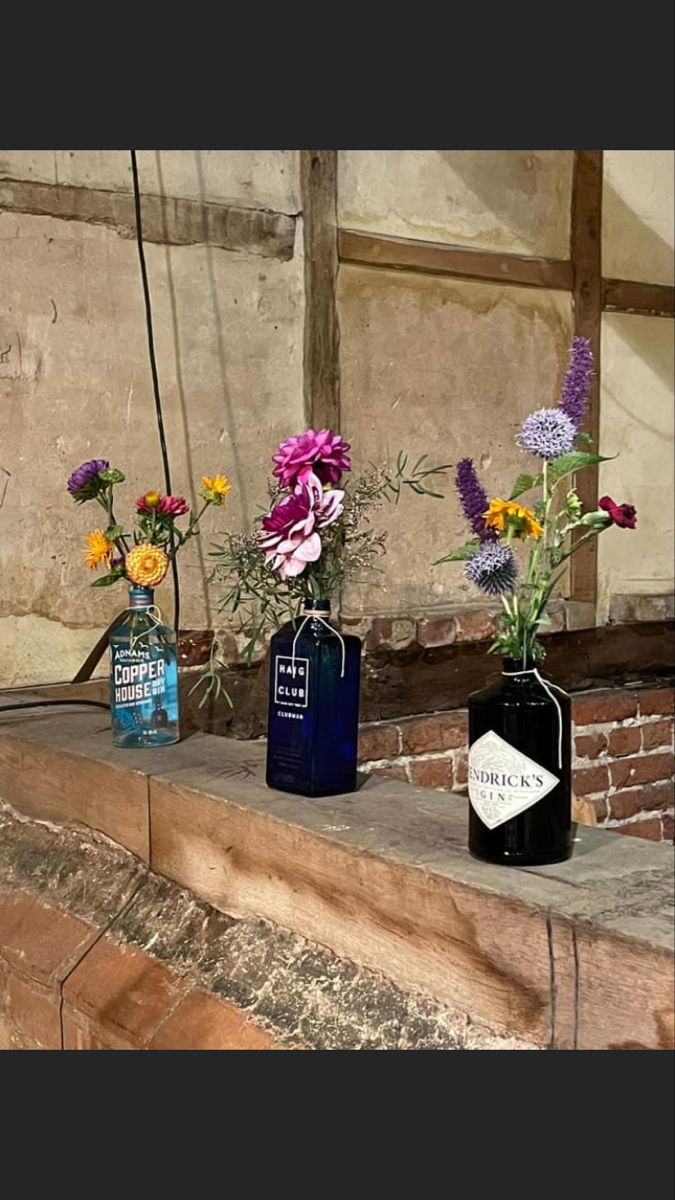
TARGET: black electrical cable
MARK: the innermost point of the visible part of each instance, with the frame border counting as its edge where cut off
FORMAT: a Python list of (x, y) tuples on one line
[(155, 378), (48, 703)]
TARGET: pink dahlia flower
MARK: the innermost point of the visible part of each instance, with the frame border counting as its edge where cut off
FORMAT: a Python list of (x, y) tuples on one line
[(324, 453), (289, 537)]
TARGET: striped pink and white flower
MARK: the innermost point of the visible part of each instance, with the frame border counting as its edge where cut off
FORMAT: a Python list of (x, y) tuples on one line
[(290, 537)]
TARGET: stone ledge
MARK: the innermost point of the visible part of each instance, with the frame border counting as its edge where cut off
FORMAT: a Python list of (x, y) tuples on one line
[(578, 955)]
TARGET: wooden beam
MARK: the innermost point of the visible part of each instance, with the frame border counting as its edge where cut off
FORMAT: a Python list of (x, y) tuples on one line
[(435, 258), (585, 253), (321, 361), (167, 220), (648, 299)]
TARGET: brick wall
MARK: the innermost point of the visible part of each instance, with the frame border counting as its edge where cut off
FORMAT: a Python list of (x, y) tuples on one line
[(623, 764)]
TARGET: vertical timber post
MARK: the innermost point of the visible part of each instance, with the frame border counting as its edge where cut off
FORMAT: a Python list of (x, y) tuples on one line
[(321, 363), (586, 255)]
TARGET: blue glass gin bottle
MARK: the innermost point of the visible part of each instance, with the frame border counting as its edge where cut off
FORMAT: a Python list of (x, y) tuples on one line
[(312, 730), (143, 676)]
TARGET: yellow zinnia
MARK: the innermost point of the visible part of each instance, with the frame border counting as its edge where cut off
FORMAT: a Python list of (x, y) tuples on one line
[(521, 520), (152, 499), (216, 489), (146, 565), (99, 549)]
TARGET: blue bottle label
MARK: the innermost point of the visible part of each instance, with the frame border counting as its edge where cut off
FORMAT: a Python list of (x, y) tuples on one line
[(291, 681), (144, 682)]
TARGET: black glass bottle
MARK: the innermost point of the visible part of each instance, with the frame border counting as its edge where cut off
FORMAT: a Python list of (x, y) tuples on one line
[(313, 706), (520, 748)]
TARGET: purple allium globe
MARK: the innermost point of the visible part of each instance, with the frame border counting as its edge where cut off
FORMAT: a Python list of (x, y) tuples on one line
[(548, 433), (84, 483), (493, 569)]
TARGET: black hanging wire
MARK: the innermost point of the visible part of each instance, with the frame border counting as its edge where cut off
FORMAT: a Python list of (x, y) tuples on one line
[(155, 379)]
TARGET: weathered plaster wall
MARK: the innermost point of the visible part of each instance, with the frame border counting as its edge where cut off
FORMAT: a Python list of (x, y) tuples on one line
[(637, 424), (638, 215), (258, 178), (508, 200), (75, 383), (448, 368)]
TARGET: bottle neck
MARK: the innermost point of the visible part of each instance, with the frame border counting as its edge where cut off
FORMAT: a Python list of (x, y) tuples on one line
[(316, 608), (514, 669), (141, 598)]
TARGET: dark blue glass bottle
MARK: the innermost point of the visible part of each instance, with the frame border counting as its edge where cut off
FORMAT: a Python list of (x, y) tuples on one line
[(313, 719)]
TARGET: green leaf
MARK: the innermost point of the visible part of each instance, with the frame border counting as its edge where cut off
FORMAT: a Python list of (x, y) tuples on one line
[(106, 580), (113, 532), (584, 438), (524, 483), (461, 554), (576, 460)]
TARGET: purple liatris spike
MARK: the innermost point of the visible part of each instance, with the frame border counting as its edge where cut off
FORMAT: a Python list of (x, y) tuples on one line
[(574, 395), (473, 499), (493, 569)]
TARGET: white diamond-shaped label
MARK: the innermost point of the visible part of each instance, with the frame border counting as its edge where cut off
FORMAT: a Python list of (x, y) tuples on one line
[(502, 781)]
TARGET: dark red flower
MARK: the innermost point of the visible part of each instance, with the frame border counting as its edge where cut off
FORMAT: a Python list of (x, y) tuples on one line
[(623, 515)]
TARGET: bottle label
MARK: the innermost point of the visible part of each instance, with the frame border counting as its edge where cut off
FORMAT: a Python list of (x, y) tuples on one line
[(291, 681), (145, 680), (502, 781)]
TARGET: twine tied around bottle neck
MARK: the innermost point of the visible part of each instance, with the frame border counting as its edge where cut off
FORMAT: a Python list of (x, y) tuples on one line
[(547, 688), (157, 620), (311, 614)]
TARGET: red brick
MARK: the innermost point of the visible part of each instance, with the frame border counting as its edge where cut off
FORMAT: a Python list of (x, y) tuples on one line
[(590, 779), (202, 1022), (461, 768), (43, 943), (590, 745), (668, 823), (593, 708), (649, 829), (391, 772), (657, 733), (393, 633), (627, 740), (601, 807), (79, 1033), (657, 702), (640, 799), (436, 631), (646, 768), (443, 731), (35, 1012), (123, 991), (378, 741), (432, 773), (474, 625)]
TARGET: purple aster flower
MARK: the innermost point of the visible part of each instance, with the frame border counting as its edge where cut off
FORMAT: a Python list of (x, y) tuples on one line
[(84, 482), (574, 395), (493, 569), (473, 499), (548, 433)]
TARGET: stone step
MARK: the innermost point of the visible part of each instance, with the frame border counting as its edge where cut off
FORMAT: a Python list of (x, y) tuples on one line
[(578, 955)]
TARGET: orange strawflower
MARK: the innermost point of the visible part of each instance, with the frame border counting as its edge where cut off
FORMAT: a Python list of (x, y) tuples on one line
[(146, 565), (502, 514), (99, 549)]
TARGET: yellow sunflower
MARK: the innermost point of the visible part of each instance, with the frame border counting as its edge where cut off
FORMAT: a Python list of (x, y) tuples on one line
[(146, 565), (504, 513), (99, 549), (216, 489)]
